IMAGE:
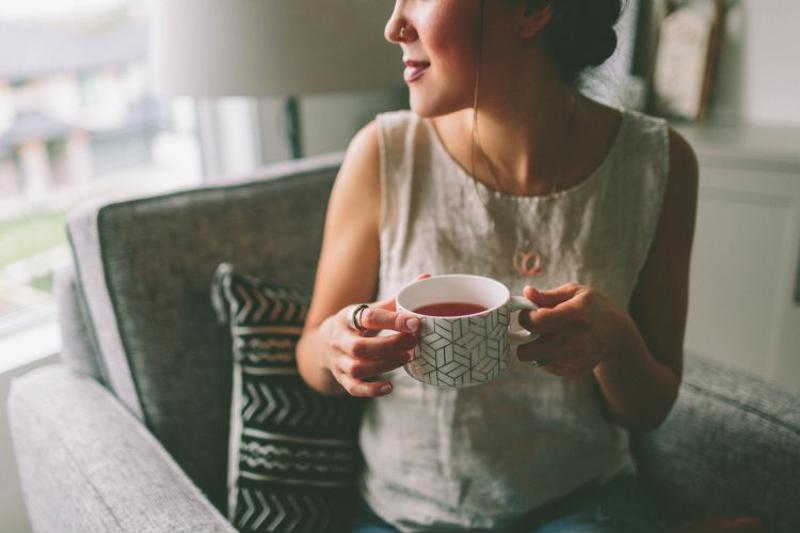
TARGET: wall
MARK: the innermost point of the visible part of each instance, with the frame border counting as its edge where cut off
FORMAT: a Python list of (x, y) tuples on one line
[(239, 134), (772, 62), (329, 122), (759, 77)]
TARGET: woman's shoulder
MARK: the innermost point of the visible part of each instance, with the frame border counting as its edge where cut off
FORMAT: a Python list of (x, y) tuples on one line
[(645, 130), (681, 153), (638, 124), (373, 143), (376, 150), (398, 116), (650, 134), (683, 171), (632, 136), (393, 125), (362, 159)]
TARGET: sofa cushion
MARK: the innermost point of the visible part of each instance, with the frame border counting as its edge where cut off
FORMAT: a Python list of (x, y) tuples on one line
[(293, 452), (730, 447)]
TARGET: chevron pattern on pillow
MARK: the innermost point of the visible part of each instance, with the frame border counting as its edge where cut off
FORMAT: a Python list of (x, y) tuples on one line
[(293, 452)]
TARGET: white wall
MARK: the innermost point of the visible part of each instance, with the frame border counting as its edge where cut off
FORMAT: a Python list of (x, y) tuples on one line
[(759, 77), (772, 62)]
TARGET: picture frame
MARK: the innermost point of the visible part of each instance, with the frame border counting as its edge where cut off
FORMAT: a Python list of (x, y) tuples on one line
[(686, 54)]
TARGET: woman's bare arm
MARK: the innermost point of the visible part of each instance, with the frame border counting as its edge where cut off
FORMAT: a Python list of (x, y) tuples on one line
[(641, 388), (349, 260)]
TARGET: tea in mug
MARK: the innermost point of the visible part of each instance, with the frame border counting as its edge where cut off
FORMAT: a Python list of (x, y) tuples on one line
[(450, 309)]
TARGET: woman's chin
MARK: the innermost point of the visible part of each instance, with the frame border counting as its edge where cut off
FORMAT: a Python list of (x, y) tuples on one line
[(428, 107)]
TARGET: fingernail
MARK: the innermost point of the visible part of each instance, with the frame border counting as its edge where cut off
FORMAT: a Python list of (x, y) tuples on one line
[(412, 324), (386, 389)]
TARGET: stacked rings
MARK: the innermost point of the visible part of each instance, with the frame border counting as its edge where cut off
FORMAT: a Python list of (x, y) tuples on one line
[(354, 317)]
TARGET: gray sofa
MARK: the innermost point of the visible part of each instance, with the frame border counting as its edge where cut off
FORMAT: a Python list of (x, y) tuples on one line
[(129, 433)]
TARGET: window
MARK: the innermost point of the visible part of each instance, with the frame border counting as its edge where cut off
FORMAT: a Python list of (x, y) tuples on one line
[(76, 121)]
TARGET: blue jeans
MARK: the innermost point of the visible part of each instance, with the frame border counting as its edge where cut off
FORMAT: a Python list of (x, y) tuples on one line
[(620, 505)]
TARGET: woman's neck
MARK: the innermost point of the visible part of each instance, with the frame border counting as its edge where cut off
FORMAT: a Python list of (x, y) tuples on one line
[(528, 139)]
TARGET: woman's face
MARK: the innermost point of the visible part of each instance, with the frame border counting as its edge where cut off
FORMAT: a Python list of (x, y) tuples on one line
[(440, 49)]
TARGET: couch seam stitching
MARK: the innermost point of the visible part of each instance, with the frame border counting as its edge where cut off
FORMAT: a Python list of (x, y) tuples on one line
[(697, 389)]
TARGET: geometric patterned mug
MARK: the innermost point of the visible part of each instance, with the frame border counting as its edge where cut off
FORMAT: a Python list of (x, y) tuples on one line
[(461, 351)]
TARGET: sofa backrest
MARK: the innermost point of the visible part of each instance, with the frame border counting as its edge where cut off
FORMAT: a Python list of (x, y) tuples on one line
[(143, 268), (79, 348)]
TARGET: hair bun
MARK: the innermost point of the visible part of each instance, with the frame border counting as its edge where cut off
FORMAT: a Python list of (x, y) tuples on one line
[(602, 12), (582, 33), (600, 48)]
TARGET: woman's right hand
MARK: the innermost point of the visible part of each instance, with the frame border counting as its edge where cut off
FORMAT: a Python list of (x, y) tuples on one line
[(353, 357)]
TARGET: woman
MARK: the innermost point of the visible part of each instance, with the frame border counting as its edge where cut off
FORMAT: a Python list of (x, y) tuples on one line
[(503, 169)]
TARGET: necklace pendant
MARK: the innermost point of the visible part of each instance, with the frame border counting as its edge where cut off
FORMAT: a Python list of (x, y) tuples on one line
[(528, 264)]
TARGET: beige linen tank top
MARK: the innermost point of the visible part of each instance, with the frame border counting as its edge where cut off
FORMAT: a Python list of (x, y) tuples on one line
[(482, 456)]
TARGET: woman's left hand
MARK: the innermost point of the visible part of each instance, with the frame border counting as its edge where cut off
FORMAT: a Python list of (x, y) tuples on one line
[(580, 328)]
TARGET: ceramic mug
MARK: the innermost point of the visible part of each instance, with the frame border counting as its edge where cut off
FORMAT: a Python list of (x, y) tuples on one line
[(466, 350)]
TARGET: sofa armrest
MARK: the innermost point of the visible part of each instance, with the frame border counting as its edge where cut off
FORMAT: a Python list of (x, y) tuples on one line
[(86, 464), (730, 446)]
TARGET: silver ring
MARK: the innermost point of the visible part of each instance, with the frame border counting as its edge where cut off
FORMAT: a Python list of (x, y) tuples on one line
[(538, 363), (402, 33), (354, 317)]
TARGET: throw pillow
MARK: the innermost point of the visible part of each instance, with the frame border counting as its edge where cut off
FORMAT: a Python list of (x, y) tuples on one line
[(293, 452)]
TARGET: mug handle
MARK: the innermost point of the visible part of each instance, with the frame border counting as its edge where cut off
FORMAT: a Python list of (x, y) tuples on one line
[(516, 304)]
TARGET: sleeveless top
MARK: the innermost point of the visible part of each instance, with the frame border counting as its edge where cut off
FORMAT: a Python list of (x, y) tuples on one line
[(483, 456)]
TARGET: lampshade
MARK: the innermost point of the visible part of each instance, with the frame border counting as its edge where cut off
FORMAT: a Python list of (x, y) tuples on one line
[(217, 48)]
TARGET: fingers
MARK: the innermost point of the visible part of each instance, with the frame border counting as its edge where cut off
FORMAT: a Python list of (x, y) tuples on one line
[(553, 320), (372, 347), (376, 318), (568, 346), (359, 368), (551, 297), (558, 356), (363, 389), (558, 309), (352, 372), (566, 370), (543, 320), (357, 358), (545, 349), (383, 315)]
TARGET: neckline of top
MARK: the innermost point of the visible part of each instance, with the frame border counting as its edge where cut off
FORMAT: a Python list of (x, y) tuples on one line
[(584, 183)]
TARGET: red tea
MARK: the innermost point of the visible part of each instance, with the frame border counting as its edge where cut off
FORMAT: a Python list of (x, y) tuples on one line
[(450, 309)]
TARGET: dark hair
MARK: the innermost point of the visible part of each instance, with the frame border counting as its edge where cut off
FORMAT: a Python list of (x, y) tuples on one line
[(580, 34)]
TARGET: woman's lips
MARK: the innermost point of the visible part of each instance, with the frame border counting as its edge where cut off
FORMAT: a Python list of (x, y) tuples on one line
[(414, 70)]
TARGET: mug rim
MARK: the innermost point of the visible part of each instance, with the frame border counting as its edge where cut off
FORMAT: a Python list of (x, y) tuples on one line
[(502, 285)]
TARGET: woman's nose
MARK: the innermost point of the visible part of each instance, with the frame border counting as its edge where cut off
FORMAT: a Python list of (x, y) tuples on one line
[(397, 29)]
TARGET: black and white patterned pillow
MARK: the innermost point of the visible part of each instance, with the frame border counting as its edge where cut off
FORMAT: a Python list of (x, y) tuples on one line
[(293, 452)]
